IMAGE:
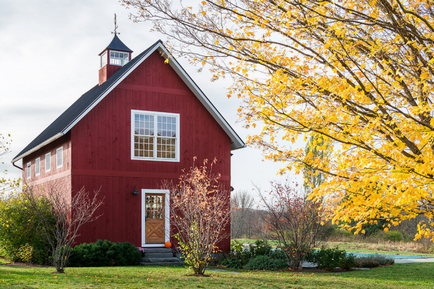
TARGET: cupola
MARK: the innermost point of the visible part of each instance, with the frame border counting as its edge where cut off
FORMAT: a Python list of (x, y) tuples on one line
[(113, 57)]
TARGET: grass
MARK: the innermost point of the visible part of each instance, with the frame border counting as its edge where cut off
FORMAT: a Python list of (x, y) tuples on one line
[(386, 247), (416, 275)]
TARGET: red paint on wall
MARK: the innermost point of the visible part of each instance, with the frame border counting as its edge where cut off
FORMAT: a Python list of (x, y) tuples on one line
[(101, 146)]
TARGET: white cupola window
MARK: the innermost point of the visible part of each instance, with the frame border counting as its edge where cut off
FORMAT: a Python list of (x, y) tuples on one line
[(119, 58), (103, 59)]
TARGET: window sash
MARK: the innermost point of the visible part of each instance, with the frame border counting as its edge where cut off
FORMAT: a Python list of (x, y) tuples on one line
[(37, 166), (48, 162), (119, 58), (155, 136), (29, 170), (59, 157)]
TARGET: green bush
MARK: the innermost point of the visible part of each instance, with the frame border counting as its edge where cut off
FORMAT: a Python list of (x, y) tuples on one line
[(331, 258), (264, 262), (260, 248), (373, 261), (104, 253), (394, 236), (20, 226)]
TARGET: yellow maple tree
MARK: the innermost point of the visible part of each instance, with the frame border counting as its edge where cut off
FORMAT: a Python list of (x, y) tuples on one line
[(358, 73)]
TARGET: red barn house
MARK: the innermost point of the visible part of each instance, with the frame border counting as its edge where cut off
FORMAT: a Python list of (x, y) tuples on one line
[(142, 124)]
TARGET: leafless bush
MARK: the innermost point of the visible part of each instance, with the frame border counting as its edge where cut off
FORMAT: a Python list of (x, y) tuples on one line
[(70, 213), (293, 219), (199, 213)]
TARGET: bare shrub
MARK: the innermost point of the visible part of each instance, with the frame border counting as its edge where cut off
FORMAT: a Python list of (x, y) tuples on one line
[(70, 214), (199, 213), (293, 219)]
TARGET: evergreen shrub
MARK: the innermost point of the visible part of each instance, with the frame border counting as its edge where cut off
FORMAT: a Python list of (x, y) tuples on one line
[(104, 253)]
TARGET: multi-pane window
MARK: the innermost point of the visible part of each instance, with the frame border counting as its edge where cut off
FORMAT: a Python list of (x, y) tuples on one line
[(59, 157), (37, 166), (29, 170), (155, 135), (103, 59), (48, 162), (119, 58)]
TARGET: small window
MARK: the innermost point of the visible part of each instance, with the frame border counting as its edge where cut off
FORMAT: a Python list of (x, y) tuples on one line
[(119, 58), (104, 59), (59, 157), (37, 166), (29, 170), (155, 136), (47, 162)]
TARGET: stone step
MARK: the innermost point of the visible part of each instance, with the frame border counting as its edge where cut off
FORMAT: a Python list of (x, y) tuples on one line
[(158, 250), (162, 261), (158, 255)]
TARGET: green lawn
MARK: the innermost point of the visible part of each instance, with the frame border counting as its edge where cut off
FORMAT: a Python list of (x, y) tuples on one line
[(416, 275)]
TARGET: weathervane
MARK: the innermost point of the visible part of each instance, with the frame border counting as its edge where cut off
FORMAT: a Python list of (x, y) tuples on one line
[(116, 27)]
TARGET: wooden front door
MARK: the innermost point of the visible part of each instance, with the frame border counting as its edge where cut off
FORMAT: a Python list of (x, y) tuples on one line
[(155, 219)]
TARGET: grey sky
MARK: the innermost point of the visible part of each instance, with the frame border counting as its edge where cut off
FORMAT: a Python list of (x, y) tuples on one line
[(49, 58)]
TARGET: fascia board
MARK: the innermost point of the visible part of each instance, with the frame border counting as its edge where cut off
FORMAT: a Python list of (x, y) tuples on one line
[(50, 140), (235, 139), (109, 89)]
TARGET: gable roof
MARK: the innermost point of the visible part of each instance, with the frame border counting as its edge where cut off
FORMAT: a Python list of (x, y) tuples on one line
[(67, 120)]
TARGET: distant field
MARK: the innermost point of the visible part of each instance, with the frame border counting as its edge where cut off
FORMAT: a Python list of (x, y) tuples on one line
[(383, 248)]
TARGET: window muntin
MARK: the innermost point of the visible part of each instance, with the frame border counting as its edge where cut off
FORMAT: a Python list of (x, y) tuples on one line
[(37, 166), (155, 136), (119, 58), (103, 61), (29, 170), (48, 162), (59, 157)]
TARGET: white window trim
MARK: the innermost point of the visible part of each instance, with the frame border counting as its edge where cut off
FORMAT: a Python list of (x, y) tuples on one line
[(47, 157), (103, 59), (37, 166), (122, 60), (57, 157), (178, 137), (166, 220), (29, 170)]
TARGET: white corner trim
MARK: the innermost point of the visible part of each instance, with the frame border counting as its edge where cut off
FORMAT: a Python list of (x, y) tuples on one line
[(166, 211)]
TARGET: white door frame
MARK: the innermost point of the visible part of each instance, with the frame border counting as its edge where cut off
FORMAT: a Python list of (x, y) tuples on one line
[(166, 217)]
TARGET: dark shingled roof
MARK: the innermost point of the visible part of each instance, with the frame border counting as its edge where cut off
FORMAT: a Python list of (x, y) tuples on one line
[(117, 44), (79, 108), (81, 105)]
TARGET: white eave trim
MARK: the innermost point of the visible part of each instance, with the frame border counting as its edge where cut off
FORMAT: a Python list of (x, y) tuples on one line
[(109, 89), (235, 139), (50, 140)]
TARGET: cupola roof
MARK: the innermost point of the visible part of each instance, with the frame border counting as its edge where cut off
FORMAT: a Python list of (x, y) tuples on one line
[(117, 44)]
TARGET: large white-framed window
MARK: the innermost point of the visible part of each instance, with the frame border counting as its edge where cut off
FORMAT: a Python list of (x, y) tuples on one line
[(59, 157), (154, 135), (29, 170), (119, 58), (37, 166), (48, 162)]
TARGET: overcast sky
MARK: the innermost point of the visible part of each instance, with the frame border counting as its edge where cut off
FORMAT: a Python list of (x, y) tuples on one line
[(49, 58)]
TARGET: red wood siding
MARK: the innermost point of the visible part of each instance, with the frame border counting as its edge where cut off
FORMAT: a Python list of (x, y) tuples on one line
[(101, 145), (55, 173)]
